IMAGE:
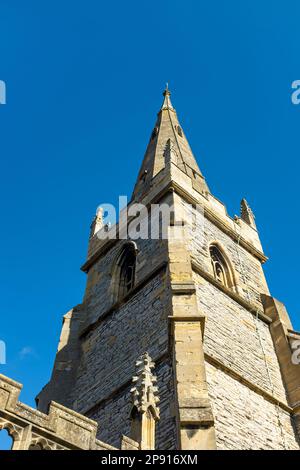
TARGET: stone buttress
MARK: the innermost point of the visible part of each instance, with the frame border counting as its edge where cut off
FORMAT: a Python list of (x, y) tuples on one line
[(199, 305)]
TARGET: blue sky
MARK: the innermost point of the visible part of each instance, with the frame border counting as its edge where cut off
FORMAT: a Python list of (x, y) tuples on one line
[(84, 83)]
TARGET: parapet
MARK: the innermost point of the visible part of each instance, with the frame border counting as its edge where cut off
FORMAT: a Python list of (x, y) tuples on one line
[(60, 429)]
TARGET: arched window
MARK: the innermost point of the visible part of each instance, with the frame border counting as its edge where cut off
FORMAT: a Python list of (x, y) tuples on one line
[(6, 441), (35, 447), (221, 269), (126, 271), (39, 443)]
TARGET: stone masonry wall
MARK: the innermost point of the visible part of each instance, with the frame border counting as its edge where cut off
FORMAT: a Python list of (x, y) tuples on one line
[(231, 336), (108, 359), (241, 342), (247, 269), (245, 420), (99, 290), (113, 414)]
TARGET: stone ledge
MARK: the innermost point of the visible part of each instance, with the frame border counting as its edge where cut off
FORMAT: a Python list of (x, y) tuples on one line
[(183, 288), (11, 382), (202, 416), (237, 298), (209, 214), (255, 388), (156, 271), (172, 186), (189, 319), (129, 444)]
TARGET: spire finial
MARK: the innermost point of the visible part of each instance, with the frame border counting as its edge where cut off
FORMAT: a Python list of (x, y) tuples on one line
[(167, 102), (167, 91)]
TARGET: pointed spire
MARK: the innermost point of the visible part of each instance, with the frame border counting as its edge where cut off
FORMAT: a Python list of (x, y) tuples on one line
[(247, 214), (167, 135)]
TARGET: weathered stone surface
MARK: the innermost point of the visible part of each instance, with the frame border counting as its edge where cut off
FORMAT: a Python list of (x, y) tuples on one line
[(113, 414), (61, 428), (244, 419), (248, 272), (239, 340), (181, 312), (127, 332)]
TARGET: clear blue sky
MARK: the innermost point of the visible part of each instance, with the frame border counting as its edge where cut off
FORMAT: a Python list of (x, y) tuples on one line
[(84, 83)]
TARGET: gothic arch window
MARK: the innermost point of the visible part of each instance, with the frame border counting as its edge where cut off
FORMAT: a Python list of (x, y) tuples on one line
[(6, 440), (125, 271), (9, 435), (221, 268), (36, 447), (41, 444)]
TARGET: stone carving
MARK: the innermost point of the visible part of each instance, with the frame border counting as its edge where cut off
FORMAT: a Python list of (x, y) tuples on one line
[(144, 392), (60, 429), (145, 411), (13, 430), (40, 443), (247, 214), (97, 223)]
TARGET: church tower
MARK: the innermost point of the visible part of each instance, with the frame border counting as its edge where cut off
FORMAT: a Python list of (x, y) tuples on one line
[(193, 299)]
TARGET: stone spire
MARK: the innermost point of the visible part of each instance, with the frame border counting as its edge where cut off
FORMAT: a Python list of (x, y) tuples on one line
[(144, 412), (247, 214), (167, 134)]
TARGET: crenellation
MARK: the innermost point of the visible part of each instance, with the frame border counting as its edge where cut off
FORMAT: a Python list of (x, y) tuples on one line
[(61, 428)]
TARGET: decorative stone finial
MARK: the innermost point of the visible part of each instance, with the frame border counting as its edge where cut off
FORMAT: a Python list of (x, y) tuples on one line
[(144, 392), (247, 214), (145, 412), (97, 223)]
